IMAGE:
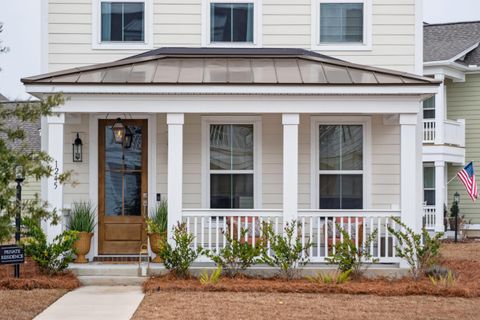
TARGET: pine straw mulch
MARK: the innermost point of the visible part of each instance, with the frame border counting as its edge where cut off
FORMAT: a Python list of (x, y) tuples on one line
[(32, 278), (465, 266), (25, 305)]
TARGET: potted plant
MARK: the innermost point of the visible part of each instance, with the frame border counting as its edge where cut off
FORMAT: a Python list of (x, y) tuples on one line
[(82, 220), (157, 228)]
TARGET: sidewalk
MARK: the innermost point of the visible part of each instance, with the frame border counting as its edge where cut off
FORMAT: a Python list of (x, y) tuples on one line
[(95, 302)]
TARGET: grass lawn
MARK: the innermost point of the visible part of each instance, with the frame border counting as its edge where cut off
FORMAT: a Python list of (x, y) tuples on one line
[(463, 258), (26, 304)]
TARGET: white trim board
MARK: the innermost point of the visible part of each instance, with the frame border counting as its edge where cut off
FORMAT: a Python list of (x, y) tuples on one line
[(366, 123), (256, 121)]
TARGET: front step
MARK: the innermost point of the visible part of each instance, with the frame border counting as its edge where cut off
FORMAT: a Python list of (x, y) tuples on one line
[(111, 280), (107, 270)]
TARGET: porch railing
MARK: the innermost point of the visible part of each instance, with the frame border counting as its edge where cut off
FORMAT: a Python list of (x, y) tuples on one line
[(429, 217), (454, 132), (319, 227), (429, 131)]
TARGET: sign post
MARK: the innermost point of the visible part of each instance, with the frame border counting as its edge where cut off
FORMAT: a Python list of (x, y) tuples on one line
[(19, 178)]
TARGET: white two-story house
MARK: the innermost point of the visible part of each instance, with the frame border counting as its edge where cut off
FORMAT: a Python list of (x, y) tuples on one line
[(238, 112)]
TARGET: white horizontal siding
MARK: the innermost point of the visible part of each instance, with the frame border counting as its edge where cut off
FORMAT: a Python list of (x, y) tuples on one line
[(286, 23)]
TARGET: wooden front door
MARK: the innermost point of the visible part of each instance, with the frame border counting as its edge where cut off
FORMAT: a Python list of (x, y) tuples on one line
[(122, 179)]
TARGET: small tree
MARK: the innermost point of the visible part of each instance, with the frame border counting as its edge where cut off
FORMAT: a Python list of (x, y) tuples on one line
[(418, 249)]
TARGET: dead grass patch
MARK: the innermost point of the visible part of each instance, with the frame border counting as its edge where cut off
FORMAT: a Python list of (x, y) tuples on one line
[(31, 278), (25, 305), (279, 306)]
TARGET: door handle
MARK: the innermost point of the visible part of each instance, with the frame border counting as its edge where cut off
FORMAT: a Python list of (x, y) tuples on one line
[(145, 205)]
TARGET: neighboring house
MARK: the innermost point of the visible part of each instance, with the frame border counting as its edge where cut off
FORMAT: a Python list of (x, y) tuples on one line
[(452, 118), (251, 127)]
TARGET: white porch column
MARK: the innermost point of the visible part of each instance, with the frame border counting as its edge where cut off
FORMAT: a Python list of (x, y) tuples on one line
[(290, 166), (410, 196), (439, 195), (440, 111), (55, 125), (175, 169)]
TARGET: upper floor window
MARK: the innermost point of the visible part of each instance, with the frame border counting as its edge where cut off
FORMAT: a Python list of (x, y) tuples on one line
[(121, 24), (429, 184), (341, 25), (231, 22), (123, 21), (429, 108)]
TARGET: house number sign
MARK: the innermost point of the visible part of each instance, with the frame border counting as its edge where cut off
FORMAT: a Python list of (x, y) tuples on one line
[(55, 177)]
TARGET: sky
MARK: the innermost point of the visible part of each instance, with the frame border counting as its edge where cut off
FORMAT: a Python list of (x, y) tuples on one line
[(439, 11)]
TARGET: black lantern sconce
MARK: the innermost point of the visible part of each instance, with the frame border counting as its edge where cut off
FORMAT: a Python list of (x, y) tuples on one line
[(77, 149)]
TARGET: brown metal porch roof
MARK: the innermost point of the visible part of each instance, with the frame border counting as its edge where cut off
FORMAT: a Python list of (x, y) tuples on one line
[(224, 66)]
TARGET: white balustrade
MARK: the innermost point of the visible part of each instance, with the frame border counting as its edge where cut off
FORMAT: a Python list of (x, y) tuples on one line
[(429, 217), (429, 131), (454, 132)]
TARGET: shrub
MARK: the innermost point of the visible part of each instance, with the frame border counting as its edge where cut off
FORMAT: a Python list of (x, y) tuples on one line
[(82, 217), (437, 271), (237, 255), (349, 257), (337, 277), (178, 259), (51, 258), (420, 250), (444, 281), (287, 251), (158, 221), (213, 278)]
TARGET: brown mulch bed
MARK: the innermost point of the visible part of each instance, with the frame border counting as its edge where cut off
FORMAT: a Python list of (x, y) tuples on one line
[(25, 305), (465, 265), (31, 278), (280, 306)]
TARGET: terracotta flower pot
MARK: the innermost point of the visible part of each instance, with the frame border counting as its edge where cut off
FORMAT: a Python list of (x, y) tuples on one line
[(82, 246), (156, 240)]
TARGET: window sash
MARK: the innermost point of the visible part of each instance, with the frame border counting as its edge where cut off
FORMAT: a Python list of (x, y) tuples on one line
[(106, 12), (341, 29), (233, 36)]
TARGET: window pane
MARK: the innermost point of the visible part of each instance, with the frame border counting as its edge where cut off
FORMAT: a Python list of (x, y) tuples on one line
[(428, 114), (122, 21), (352, 147), (352, 191), (220, 147), (231, 22), (428, 177), (429, 103), (242, 147), (329, 191), (231, 191), (113, 193), (132, 194), (429, 197), (341, 22), (329, 153), (133, 155)]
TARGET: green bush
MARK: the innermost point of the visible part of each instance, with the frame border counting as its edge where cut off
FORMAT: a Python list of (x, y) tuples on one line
[(349, 257), (82, 217), (287, 251), (158, 221), (237, 255), (420, 250), (179, 258), (51, 258)]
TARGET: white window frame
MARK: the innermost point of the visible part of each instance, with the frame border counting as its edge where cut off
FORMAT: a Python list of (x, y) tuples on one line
[(137, 45), (257, 25), (315, 171), (429, 165), (256, 121), (367, 28), (432, 108)]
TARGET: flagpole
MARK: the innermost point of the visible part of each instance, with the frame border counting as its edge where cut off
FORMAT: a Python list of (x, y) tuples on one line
[(451, 180)]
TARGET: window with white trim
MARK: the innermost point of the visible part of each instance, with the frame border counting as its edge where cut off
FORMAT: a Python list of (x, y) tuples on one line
[(231, 166), (429, 108), (231, 22), (122, 24), (341, 24), (429, 184)]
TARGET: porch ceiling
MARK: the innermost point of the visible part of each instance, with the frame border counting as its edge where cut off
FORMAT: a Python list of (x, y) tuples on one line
[(211, 66)]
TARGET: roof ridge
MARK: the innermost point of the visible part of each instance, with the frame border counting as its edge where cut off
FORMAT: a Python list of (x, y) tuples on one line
[(426, 24)]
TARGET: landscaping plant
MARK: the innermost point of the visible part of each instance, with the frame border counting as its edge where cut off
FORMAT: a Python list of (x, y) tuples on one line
[(179, 258), (211, 279), (420, 250), (51, 258), (237, 254), (444, 281), (287, 251), (82, 217), (349, 257), (158, 220), (337, 277)]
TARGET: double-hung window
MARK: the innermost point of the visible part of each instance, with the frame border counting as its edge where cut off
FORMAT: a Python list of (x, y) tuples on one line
[(231, 165), (340, 160), (429, 108), (121, 24), (341, 24), (231, 23), (429, 184)]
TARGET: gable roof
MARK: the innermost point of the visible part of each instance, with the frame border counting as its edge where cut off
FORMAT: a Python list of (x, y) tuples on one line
[(447, 41), (248, 66)]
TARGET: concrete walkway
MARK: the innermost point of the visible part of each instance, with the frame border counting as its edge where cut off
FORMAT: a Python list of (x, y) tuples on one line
[(95, 302)]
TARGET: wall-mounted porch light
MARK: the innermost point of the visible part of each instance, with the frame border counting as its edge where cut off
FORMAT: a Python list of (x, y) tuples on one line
[(127, 143), (77, 149)]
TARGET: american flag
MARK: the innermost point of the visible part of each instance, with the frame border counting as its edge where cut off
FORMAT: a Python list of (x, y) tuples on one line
[(467, 176)]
